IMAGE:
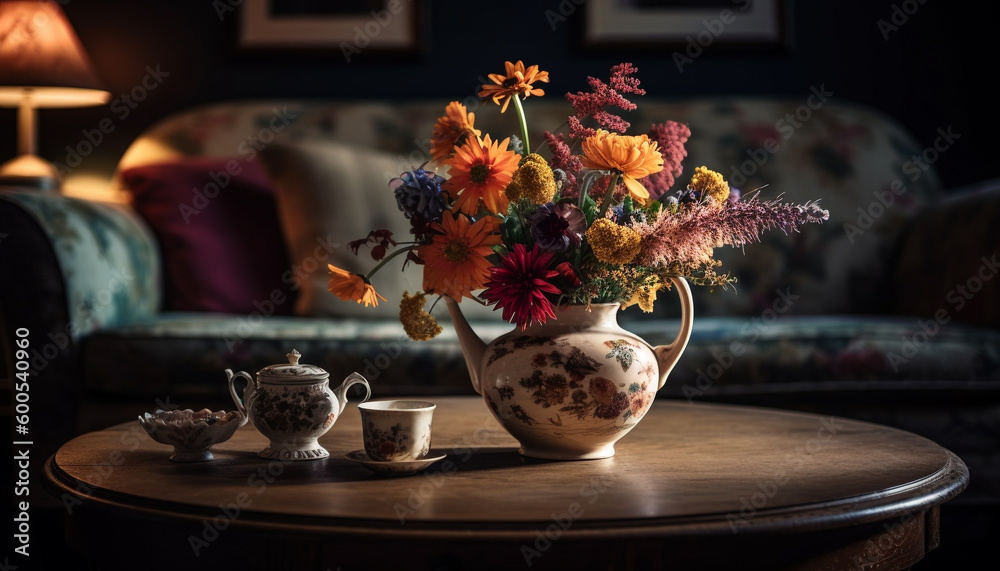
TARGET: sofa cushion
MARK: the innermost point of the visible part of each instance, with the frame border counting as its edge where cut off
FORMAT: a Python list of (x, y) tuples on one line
[(328, 195), (185, 353), (856, 159), (950, 257), (216, 223)]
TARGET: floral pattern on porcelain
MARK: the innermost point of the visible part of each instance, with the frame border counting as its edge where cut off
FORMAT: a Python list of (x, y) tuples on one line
[(294, 409), (570, 388), (292, 405), (567, 383), (191, 433), (391, 444)]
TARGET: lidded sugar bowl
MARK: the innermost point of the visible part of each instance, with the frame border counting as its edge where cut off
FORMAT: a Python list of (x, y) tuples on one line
[(292, 405)]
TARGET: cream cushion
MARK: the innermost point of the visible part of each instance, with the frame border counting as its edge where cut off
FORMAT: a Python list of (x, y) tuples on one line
[(329, 194)]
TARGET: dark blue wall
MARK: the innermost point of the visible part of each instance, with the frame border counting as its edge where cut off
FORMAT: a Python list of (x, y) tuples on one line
[(930, 73)]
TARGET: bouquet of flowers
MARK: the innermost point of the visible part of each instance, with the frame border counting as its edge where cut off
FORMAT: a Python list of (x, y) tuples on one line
[(598, 221)]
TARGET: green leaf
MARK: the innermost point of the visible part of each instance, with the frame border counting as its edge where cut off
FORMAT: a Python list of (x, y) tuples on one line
[(589, 210)]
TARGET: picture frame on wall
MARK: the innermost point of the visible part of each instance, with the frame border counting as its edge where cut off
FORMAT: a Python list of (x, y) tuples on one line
[(675, 24), (350, 28)]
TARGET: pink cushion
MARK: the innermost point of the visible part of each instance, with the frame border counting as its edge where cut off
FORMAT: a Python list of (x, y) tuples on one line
[(217, 227)]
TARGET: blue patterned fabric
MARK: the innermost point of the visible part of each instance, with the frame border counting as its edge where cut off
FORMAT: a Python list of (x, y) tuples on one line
[(108, 258)]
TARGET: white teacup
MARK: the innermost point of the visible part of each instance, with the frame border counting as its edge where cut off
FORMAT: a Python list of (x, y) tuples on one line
[(397, 430)]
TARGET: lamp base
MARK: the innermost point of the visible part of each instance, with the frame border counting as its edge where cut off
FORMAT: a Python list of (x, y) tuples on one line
[(30, 171)]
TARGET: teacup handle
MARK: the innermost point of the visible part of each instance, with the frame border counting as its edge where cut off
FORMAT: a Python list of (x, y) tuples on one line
[(351, 380), (251, 385)]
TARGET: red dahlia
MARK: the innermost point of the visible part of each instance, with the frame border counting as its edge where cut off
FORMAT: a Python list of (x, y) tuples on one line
[(519, 284)]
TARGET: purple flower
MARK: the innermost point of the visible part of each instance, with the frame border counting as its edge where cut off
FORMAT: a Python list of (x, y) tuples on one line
[(734, 195), (558, 227), (418, 194)]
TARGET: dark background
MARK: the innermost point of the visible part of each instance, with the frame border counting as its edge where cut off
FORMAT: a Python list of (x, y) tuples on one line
[(935, 71)]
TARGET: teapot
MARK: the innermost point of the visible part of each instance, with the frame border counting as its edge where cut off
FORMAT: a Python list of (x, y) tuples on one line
[(292, 405), (571, 387)]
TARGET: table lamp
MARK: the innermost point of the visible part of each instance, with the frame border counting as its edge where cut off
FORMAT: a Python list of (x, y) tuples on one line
[(42, 64)]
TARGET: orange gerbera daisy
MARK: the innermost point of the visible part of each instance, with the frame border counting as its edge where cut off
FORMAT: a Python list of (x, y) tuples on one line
[(455, 261), (350, 286), (481, 169), (635, 157), (516, 80), (451, 129)]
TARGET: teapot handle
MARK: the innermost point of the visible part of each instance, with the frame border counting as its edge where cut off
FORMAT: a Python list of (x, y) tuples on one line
[(251, 385), (668, 355), (351, 380)]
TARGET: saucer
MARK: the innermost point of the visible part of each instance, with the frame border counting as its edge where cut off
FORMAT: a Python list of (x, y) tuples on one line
[(400, 468)]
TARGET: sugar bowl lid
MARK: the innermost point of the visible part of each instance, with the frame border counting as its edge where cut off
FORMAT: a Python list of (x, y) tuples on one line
[(293, 371)]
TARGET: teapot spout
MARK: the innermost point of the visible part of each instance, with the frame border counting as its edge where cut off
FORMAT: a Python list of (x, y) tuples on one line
[(473, 346), (668, 355)]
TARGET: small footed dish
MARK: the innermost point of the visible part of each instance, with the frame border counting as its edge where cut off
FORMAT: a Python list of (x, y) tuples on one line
[(191, 433), (395, 468)]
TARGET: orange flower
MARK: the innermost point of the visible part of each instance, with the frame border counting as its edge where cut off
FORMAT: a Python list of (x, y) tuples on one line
[(516, 80), (455, 261), (350, 286), (451, 129), (481, 169), (635, 157)]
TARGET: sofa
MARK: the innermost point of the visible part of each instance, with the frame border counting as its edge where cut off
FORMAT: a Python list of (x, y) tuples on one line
[(888, 312)]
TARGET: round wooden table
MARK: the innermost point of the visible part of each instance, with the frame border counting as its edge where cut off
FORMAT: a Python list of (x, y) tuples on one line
[(692, 486)]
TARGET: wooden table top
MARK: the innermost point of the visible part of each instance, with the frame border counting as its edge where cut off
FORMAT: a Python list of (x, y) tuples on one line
[(685, 469)]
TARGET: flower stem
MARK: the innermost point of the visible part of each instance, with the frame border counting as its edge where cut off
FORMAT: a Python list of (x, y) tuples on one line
[(524, 125), (386, 259), (610, 194)]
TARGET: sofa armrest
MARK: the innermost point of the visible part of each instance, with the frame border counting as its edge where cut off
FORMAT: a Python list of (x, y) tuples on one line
[(107, 260), (66, 267), (948, 259)]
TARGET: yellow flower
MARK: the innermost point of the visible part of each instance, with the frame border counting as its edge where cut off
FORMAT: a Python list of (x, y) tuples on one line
[(481, 169), (350, 286), (451, 129), (710, 183), (532, 180), (635, 157), (611, 243), (418, 324), (645, 295), (516, 80)]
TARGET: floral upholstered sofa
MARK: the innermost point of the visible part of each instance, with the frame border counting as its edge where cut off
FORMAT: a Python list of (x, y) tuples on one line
[(887, 312)]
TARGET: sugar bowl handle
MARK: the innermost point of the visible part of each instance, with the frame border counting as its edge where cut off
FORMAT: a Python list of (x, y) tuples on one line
[(351, 380), (247, 392)]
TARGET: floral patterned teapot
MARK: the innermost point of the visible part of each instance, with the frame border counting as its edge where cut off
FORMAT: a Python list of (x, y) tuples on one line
[(292, 405)]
